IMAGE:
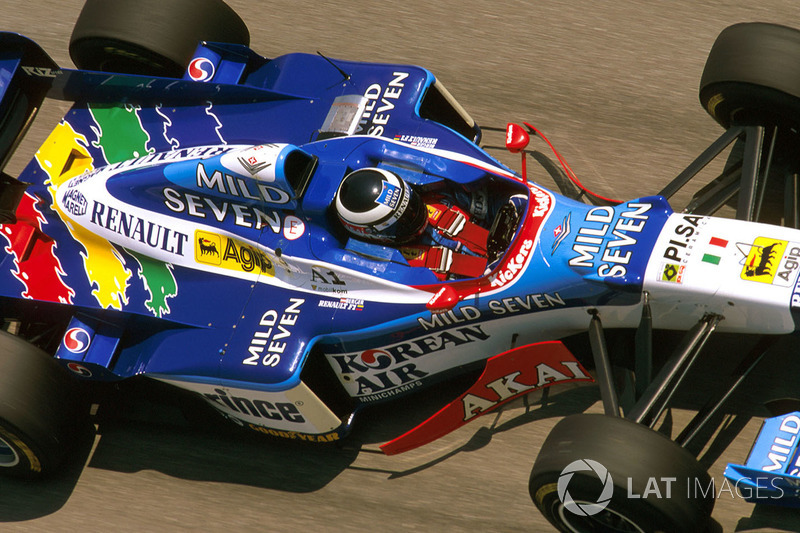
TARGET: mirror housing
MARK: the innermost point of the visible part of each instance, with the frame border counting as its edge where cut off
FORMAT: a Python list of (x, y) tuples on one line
[(517, 138)]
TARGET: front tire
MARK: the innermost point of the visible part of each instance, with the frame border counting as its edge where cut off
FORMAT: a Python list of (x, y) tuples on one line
[(596, 473), (753, 72)]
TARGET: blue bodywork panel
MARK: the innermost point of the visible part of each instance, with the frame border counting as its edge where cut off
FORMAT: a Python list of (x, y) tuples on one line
[(183, 229)]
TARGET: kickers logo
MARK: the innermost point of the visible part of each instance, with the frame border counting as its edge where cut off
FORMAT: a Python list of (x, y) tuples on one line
[(515, 264)]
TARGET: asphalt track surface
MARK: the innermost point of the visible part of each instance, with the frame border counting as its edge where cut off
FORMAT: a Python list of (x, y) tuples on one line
[(614, 87)]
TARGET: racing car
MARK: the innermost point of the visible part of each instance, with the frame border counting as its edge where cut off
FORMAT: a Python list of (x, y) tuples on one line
[(295, 239)]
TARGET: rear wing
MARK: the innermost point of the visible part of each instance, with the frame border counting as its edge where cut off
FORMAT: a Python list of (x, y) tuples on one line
[(26, 74)]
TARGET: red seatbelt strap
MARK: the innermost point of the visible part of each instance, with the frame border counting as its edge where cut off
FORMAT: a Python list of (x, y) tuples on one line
[(454, 224), (443, 260)]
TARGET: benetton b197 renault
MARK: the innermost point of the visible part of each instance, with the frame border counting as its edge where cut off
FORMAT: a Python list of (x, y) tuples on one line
[(298, 237)]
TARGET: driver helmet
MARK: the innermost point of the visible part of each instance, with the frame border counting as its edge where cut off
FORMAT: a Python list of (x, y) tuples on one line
[(377, 205)]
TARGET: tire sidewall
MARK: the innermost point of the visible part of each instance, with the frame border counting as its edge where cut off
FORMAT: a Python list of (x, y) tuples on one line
[(40, 408), (583, 489), (656, 484), (150, 37), (31, 460), (752, 73)]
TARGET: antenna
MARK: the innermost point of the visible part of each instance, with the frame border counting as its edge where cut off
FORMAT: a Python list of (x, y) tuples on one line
[(344, 74)]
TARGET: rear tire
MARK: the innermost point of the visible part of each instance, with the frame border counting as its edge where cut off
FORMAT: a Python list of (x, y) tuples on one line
[(150, 37), (39, 410), (595, 473)]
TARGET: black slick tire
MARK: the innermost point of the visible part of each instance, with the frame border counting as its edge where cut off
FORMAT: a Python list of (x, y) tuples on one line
[(39, 410), (753, 71), (596, 473), (150, 37)]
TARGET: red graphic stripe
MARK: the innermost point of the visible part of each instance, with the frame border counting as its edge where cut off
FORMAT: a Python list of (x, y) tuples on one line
[(38, 268), (506, 376)]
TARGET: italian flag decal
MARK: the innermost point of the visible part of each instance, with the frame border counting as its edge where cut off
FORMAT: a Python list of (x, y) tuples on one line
[(712, 257)]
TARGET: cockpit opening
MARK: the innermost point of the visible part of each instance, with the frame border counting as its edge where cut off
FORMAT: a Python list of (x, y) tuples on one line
[(454, 230)]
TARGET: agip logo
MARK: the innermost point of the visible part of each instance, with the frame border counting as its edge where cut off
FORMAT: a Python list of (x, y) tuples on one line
[(207, 246), (231, 254), (763, 260)]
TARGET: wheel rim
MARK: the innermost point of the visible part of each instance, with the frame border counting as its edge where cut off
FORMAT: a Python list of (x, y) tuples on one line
[(8, 455), (604, 521)]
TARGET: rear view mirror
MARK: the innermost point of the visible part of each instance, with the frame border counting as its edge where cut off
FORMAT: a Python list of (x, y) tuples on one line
[(516, 138)]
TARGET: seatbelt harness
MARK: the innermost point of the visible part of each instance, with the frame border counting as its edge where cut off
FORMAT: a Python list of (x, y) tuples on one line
[(453, 223), (443, 260)]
